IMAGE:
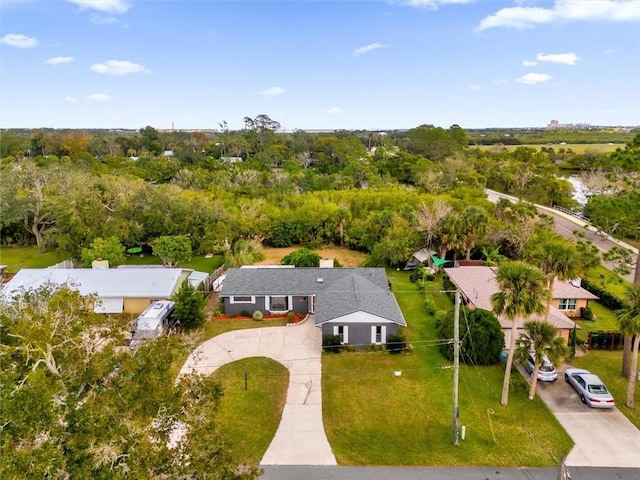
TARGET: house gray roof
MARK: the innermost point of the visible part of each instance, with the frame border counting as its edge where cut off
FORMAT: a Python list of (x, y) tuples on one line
[(339, 291)]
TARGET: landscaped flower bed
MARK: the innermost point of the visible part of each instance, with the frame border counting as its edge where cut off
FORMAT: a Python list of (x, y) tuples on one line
[(296, 318)]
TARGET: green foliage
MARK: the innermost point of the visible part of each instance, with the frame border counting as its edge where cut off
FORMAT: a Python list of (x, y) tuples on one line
[(481, 337), (104, 249), (172, 249), (76, 404), (291, 316), (257, 315), (332, 343), (618, 213), (606, 298), (243, 252), (621, 258), (586, 314), (189, 309), (396, 344), (303, 257)]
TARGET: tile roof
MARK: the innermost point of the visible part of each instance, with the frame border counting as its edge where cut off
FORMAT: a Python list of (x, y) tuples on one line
[(477, 284), (340, 291)]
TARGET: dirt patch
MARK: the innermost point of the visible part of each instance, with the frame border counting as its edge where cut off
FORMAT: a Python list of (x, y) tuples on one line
[(346, 257)]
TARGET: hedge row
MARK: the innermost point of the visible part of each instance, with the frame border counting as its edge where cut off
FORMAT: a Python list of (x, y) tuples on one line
[(607, 299)]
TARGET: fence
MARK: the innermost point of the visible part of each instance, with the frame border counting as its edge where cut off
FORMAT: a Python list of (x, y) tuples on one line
[(605, 341), (579, 215), (209, 283), (64, 264)]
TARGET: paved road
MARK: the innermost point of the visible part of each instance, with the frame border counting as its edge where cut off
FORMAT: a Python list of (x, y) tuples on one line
[(436, 473), (566, 225), (300, 438)]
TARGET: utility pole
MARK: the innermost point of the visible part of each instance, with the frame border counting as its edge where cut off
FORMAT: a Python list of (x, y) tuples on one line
[(456, 365)]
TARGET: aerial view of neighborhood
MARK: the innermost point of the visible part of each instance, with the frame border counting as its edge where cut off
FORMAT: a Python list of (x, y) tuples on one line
[(320, 240)]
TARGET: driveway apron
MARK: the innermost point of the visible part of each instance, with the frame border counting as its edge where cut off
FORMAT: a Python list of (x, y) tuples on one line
[(300, 438), (602, 437)]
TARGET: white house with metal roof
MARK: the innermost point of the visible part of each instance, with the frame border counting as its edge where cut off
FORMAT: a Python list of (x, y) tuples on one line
[(117, 290), (355, 303)]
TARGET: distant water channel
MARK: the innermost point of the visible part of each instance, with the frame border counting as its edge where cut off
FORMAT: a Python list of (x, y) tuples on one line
[(580, 191)]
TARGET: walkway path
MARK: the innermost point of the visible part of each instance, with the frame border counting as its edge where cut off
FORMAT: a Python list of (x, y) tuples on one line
[(300, 438)]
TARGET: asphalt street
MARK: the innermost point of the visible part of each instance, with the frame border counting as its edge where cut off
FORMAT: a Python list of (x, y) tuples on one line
[(437, 473)]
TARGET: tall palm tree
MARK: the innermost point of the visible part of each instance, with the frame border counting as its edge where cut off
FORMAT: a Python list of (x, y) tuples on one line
[(541, 339), (556, 259), (629, 320), (522, 293)]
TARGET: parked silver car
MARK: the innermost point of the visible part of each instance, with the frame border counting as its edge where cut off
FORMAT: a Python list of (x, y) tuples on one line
[(589, 387), (546, 373)]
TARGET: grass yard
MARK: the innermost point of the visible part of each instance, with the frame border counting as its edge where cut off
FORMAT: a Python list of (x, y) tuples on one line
[(27, 257), (576, 147), (607, 365), (249, 418), (605, 321), (348, 258), (197, 262), (607, 279), (373, 417)]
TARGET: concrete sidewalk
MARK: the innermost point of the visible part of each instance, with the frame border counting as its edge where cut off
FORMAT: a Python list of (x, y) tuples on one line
[(300, 438)]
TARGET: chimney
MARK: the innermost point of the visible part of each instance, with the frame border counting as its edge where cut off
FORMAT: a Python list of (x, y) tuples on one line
[(326, 263)]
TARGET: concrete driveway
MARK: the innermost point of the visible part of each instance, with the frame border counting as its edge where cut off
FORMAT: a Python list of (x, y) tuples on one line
[(603, 437), (300, 438)]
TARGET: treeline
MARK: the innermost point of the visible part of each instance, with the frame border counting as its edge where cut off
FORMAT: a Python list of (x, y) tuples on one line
[(369, 192)]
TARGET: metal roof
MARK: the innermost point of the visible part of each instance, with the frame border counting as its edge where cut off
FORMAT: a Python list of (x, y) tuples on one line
[(105, 283)]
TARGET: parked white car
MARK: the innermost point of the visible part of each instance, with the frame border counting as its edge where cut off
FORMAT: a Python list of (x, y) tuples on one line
[(589, 387), (546, 373)]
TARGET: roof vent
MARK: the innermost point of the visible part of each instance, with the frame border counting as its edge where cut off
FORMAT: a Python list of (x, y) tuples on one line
[(319, 280)]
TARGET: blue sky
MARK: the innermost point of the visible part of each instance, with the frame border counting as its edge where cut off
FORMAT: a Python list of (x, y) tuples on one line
[(319, 64)]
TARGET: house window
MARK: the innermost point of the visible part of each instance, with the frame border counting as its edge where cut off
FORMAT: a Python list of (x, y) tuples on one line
[(342, 331), (243, 299), (378, 334), (279, 304), (567, 304)]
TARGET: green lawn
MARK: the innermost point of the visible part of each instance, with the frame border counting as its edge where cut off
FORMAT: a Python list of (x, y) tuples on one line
[(607, 279), (605, 320), (27, 257), (373, 417), (249, 418)]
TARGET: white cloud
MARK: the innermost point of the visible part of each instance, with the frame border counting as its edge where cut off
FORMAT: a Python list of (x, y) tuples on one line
[(564, 58), (531, 78), (106, 6), (270, 92), (99, 97), (529, 63), (334, 111), (102, 20), (119, 67), (367, 48), (19, 40), (58, 60), (432, 4), (71, 99), (564, 11), (475, 87)]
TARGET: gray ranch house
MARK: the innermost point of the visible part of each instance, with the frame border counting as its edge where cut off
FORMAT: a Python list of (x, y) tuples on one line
[(354, 303)]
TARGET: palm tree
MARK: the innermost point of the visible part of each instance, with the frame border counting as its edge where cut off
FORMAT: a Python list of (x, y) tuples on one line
[(243, 252), (557, 259), (541, 339), (629, 320), (521, 294)]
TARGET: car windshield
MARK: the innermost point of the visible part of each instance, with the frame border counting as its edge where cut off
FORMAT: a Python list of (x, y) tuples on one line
[(546, 367), (598, 389)]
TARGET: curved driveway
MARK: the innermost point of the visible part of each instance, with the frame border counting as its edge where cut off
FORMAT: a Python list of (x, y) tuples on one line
[(300, 438)]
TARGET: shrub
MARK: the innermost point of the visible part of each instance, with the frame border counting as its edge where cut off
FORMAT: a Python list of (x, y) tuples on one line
[(429, 305), (481, 338), (336, 263), (586, 314), (396, 343), (332, 343), (291, 316), (257, 315), (606, 299)]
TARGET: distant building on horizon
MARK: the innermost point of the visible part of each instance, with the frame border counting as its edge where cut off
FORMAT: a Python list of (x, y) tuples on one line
[(555, 125)]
